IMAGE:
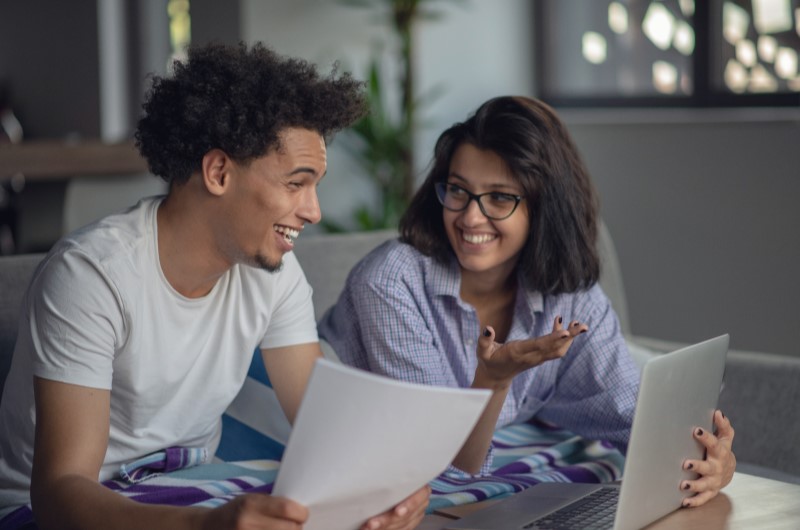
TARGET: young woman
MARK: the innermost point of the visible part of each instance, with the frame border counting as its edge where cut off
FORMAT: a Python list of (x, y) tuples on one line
[(493, 284)]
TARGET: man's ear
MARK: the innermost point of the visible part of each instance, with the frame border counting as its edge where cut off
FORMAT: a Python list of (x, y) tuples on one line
[(216, 168)]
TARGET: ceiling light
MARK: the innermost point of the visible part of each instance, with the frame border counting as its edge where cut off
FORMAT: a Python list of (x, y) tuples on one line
[(684, 38), (617, 18), (736, 76), (594, 47), (746, 53), (767, 48), (772, 16), (665, 77), (786, 63), (659, 25), (735, 21)]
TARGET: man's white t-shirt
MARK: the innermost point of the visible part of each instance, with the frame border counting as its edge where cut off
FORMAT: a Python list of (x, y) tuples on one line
[(100, 313)]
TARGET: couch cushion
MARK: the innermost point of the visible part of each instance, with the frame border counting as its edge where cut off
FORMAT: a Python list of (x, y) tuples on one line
[(15, 274), (327, 259)]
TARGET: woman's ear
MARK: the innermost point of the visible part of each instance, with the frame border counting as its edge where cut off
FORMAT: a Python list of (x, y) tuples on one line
[(216, 168)]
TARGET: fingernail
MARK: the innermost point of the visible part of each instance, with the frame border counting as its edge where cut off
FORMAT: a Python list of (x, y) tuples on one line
[(401, 511), (722, 414), (560, 320), (699, 432), (686, 486), (684, 504), (486, 332), (689, 466), (583, 331)]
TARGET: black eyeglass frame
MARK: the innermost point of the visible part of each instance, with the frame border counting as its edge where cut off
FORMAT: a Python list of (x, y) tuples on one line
[(441, 192)]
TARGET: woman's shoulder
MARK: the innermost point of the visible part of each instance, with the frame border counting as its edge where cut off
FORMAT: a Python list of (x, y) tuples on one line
[(391, 259), (581, 302)]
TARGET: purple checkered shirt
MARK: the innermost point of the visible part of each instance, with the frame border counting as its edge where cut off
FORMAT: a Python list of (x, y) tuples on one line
[(400, 315)]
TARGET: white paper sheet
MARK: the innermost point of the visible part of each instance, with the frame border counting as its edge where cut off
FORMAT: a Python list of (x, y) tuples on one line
[(361, 443)]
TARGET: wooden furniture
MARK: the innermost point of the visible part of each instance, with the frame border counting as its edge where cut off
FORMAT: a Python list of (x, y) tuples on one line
[(747, 502), (55, 159)]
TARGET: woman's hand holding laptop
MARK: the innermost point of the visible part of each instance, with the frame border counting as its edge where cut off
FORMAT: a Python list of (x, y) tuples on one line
[(716, 470)]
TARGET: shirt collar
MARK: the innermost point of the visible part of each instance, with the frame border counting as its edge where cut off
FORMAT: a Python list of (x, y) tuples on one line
[(445, 280)]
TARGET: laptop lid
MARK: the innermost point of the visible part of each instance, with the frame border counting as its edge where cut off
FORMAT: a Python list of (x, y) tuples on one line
[(679, 392)]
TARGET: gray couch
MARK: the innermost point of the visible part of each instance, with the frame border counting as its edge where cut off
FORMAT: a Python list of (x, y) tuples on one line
[(761, 393)]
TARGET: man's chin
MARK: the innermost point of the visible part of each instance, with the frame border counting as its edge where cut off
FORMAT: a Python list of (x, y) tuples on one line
[(262, 262)]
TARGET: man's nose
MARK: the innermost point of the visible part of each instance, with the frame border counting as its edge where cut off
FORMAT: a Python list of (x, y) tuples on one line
[(309, 210)]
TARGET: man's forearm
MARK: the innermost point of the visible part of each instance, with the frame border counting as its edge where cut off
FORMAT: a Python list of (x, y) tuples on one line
[(81, 503)]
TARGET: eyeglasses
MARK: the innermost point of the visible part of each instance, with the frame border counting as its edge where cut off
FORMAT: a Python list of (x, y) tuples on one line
[(493, 204)]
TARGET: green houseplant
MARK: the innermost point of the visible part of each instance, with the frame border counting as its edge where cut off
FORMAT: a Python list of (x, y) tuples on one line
[(382, 142)]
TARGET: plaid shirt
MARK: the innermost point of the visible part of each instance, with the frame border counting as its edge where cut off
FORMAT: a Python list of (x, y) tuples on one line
[(400, 315)]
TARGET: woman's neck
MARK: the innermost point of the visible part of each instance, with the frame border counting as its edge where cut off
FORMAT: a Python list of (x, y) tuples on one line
[(493, 296)]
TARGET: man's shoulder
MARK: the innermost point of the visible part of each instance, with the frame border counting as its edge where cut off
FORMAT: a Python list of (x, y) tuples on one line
[(110, 246)]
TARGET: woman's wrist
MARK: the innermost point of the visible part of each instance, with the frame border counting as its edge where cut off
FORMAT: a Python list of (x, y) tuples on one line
[(484, 380)]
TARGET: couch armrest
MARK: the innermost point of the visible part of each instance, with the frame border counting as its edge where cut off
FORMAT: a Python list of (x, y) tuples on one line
[(761, 395)]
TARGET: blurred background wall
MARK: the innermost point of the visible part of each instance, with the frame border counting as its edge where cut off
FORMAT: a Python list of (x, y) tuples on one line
[(702, 204)]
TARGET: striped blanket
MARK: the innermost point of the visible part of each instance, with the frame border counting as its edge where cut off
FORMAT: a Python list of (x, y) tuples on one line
[(524, 455)]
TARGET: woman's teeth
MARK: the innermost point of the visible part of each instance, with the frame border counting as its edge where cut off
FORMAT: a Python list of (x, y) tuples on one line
[(477, 239)]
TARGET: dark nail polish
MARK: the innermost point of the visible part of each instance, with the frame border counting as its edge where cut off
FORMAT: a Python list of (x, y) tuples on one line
[(583, 331), (689, 466), (560, 320), (685, 505), (686, 486), (699, 432), (722, 414), (486, 332)]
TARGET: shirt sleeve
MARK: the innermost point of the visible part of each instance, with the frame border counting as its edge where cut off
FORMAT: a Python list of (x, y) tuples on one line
[(395, 339), (598, 381), (76, 321)]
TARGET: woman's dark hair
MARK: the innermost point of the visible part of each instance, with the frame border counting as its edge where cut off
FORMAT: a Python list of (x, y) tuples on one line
[(238, 100), (560, 254)]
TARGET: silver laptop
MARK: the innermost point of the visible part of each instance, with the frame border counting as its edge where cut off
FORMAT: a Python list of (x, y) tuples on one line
[(679, 391)]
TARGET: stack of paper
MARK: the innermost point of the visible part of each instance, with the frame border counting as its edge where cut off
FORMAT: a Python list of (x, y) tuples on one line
[(361, 443)]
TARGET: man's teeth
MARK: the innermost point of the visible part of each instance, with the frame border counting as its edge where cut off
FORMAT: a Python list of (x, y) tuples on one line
[(477, 239), (289, 234)]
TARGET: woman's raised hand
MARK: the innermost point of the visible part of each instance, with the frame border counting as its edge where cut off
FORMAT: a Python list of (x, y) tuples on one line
[(500, 363)]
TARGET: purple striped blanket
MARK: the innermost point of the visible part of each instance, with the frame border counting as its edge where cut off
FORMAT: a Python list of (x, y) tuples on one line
[(524, 455)]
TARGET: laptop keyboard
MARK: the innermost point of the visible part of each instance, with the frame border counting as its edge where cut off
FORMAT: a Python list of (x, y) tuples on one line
[(595, 511)]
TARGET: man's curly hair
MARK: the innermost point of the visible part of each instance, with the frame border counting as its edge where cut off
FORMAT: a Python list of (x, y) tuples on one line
[(238, 100)]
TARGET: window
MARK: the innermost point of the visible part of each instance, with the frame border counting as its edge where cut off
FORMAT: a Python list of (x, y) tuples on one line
[(670, 52)]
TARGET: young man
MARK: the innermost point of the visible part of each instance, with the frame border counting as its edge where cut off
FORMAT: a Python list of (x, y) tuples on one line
[(138, 330)]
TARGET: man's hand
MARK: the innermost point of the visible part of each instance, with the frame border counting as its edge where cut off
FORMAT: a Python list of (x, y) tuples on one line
[(716, 470), (405, 516), (500, 363), (256, 511)]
